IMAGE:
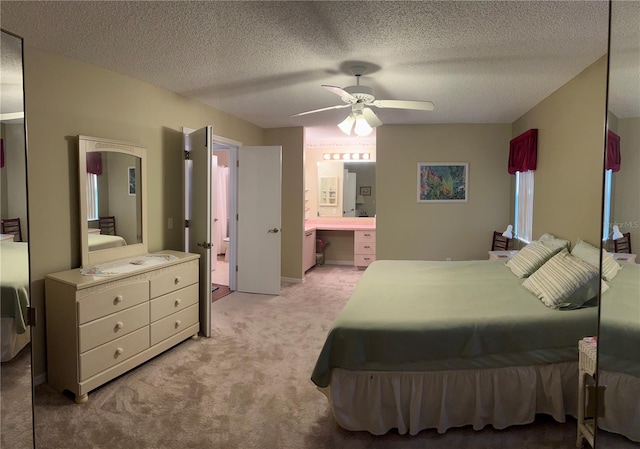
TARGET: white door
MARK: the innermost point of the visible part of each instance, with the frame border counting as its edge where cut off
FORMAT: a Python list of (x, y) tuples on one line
[(349, 194), (201, 152), (259, 208), (215, 220)]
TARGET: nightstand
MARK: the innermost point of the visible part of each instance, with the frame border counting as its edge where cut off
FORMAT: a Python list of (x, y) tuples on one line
[(502, 255), (7, 237), (624, 257), (587, 350)]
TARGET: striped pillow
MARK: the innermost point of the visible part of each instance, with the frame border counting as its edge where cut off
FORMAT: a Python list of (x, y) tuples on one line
[(530, 258), (591, 255), (564, 282)]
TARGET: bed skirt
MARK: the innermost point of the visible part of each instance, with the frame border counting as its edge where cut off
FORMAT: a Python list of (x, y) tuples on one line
[(621, 404), (12, 342), (378, 401)]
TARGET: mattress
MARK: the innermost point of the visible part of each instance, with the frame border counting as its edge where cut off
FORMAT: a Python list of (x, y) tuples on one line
[(14, 283), (103, 241), (438, 316)]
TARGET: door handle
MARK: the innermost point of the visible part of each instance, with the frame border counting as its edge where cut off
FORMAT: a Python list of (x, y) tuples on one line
[(204, 245), (273, 231), (215, 219)]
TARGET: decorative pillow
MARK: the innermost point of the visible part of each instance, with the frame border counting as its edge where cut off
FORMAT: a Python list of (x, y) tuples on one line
[(565, 282), (530, 258), (555, 242), (591, 255)]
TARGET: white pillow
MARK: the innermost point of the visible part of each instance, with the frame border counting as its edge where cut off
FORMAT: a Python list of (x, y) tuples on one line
[(591, 255), (554, 242), (530, 258), (565, 282)]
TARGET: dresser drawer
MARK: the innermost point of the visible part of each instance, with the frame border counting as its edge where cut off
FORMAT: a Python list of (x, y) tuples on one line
[(365, 248), (174, 278), (110, 354), (173, 302), (364, 236), (363, 260), (112, 299), (171, 325), (103, 330)]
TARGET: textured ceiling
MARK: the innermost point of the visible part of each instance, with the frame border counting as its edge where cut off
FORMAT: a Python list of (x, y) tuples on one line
[(479, 62)]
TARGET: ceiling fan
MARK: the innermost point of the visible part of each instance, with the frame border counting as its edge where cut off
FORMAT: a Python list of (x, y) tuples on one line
[(362, 119)]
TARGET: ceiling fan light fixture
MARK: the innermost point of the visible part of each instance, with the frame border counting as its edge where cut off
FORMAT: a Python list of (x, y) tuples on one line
[(347, 124), (362, 128)]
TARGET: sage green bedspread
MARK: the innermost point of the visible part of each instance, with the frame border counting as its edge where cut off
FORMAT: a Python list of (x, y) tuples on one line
[(14, 282), (619, 335), (432, 316)]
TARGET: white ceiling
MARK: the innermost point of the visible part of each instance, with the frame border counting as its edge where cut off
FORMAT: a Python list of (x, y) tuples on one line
[(478, 61)]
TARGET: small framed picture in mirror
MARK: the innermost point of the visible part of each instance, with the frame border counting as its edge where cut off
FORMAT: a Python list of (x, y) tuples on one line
[(132, 180), (365, 190)]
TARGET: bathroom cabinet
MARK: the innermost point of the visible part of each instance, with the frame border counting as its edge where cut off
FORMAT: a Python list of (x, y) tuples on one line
[(328, 191), (309, 249), (364, 251)]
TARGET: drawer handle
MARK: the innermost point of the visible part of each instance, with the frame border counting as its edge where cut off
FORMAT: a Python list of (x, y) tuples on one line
[(119, 351), (117, 299), (178, 301), (119, 325), (367, 235), (367, 247), (177, 280), (178, 323), (366, 258)]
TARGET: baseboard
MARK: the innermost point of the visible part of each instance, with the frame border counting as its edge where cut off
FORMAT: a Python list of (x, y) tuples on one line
[(339, 262), (39, 379), (292, 280)]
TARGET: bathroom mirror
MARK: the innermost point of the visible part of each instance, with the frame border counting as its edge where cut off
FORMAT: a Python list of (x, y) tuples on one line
[(112, 178), (16, 391), (355, 186), (619, 327)]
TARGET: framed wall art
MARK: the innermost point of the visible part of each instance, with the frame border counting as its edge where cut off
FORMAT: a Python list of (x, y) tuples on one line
[(443, 182)]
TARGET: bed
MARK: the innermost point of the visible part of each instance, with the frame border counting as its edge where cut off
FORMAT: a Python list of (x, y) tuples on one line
[(104, 241), (619, 353), (14, 298), (424, 344)]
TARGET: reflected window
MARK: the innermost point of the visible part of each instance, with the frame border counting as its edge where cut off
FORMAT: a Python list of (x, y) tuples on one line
[(607, 204), (92, 196), (524, 206)]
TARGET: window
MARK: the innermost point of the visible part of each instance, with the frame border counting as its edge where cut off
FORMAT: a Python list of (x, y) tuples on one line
[(92, 196), (524, 206), (607, 205)]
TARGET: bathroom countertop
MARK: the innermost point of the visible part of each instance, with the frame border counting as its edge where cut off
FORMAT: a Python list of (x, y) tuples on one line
[(361, 224)]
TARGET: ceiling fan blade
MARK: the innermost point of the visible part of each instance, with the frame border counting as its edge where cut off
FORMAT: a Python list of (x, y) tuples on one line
[(340, 106), (405, 104), (371, 117), (339, 91)]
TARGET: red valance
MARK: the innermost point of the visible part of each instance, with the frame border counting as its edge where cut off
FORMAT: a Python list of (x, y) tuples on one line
[(523, 152), (612, 161), (94, 163)]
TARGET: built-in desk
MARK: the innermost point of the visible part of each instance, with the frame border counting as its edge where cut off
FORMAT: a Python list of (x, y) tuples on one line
[(351, 241)]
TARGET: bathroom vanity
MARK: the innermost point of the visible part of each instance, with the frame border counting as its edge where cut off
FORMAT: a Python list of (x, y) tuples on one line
[(352, 240)]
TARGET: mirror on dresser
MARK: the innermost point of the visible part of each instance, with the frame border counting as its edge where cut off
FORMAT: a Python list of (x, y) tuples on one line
[(16, 391), (113, 220), (619, 329)]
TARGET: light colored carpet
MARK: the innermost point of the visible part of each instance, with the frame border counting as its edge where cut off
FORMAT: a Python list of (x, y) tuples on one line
[(249, 387)]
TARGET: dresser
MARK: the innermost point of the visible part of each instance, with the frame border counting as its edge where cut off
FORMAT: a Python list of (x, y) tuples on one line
[(99, 327), (364, 248)]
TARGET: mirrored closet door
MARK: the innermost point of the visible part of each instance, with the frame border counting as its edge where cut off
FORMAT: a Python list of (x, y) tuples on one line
[(16, 392)]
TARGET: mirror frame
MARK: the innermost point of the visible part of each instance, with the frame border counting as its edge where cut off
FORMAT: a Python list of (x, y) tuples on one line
[(92, 144)]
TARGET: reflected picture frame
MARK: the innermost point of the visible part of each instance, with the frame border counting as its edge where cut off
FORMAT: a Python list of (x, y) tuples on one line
[(131, 179), (443, 182), (365, 190)]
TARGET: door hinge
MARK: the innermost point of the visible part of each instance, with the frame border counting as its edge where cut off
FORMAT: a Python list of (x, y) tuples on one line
[(186, 223), (187, 155), (236, 268), (237, 217), (238, 163), (31, 316)]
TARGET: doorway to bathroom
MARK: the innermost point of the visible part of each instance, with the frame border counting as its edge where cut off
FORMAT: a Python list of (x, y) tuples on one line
[(220, 218)]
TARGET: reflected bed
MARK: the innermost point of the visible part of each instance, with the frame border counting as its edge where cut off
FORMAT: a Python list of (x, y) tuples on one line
[(103, 241), (14, 297), (424, 344)]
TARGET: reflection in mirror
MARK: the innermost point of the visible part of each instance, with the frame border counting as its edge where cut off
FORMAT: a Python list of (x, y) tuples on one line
[(346, 189), (15, 373), (619, 330), (112, 196)]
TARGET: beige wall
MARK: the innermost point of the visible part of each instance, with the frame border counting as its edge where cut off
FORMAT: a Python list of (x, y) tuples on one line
[(568, 179), (407, 229), (625, 204), (66, 98), (292, 141)]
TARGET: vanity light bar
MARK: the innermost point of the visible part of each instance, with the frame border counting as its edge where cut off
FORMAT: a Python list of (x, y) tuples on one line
[(346, 156)]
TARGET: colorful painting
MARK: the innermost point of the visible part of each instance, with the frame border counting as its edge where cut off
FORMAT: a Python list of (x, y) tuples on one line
[(442, 182)]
